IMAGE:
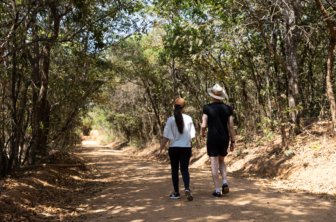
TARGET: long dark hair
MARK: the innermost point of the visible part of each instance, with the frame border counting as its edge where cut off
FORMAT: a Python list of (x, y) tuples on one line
[(179, 118)]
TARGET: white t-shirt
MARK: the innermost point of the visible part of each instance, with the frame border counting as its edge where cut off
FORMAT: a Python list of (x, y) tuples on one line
[(175, 138)]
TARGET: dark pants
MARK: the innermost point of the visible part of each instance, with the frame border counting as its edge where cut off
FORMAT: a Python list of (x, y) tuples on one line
[(180, 155)]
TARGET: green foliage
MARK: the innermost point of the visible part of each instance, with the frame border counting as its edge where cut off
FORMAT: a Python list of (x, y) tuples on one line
[(265, 125), (316, 146), (51, 70), (87, 126), (238, 152), (289, 152), (100, 76)]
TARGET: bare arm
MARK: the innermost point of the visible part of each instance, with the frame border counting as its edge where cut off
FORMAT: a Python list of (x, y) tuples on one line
[(163, 144), (204, 124), (232, 132)]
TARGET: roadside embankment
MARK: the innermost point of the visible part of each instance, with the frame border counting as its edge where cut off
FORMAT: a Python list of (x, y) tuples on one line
[(299, 168)]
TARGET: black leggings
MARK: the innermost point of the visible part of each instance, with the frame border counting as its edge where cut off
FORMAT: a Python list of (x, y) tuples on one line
[(180, 155)]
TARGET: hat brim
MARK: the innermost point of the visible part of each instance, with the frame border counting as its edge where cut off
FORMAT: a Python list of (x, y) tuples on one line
[(222, 97)]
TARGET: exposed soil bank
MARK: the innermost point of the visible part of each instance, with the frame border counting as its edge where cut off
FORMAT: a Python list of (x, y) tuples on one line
[(305, 169)]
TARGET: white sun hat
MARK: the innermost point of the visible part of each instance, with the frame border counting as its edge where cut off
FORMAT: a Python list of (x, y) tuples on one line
[(217, 92)]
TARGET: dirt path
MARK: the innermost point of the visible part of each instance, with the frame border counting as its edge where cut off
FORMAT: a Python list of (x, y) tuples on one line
[(135, 190)]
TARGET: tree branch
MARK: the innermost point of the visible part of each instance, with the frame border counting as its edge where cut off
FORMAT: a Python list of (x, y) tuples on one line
[(263, 36), (327, 18)]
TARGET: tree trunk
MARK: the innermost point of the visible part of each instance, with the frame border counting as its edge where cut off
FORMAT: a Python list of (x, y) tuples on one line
[(14, 121), (310, 75), (256, 81), (283, 52), (156, 111), (3, 157), (35, 76), (330, 92), (1, 149), (294, 50), (301, 70), (279, 99), (268, 89), (292, 63), (173, 77), (42, 110)]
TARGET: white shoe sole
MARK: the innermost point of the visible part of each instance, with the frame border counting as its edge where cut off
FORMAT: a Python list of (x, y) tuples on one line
[(189, 196)]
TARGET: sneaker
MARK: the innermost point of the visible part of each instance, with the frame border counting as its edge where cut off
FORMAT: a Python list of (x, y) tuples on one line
[(216, 195), (174, 195), (189, 195), (225, 188)]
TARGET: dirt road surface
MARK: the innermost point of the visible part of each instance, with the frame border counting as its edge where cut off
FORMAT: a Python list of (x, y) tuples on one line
[(137, 191)]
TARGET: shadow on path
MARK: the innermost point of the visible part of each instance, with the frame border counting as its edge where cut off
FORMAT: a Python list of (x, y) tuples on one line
[(135, 190)]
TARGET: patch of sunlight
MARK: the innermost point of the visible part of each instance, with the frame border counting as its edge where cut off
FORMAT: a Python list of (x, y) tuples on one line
[(298, 212), (98, 211), (147, 199), (96, 153), (89, 143), (76, 177), (244, 202), (44, 183), (150, 178), (116, 211), (141, 168), (137, 220), (140, 208), (162, 208), (28, 185), (247, 212), (219, 218), (101, 163), (180, 218)]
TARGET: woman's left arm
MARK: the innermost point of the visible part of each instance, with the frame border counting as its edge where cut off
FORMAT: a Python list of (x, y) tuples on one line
[(163, 144)]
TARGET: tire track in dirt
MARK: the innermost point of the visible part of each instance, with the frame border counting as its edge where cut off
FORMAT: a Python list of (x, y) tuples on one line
[(137, 191)]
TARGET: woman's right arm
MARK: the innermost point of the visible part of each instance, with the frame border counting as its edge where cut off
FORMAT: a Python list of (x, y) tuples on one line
[(163, 144)]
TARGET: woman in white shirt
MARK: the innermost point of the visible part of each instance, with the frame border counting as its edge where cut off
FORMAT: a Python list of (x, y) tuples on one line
[(179, 131)]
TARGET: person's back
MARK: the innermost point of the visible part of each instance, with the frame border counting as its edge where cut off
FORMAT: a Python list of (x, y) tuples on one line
[(177, 139), (218, 114)]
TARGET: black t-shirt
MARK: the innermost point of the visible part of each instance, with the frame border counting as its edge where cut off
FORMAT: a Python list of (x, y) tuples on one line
[(218, 116)]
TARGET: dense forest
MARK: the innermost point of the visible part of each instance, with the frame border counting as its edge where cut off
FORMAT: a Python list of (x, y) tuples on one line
[(68, 64)]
